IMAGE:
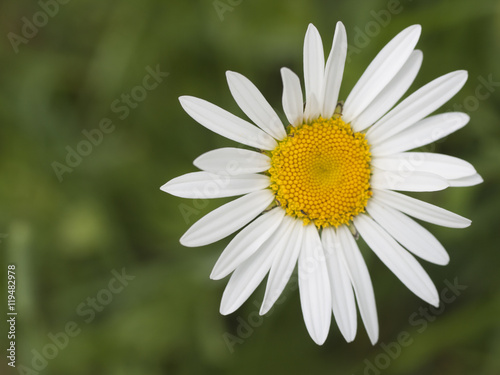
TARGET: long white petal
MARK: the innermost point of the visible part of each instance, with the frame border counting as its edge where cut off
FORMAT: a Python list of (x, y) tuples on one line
[(397, 259), (343, 303), (420, 210), (283, 264), (246, 242), (407, 181), (361, 282), (448, 167), (381, 71), (417, 106), (252, 102), (391, 94), (312, 110), (293, 103), (314, 286), (252, 271), (408, 233), (422, 133), (233, 161), (204, 185), (334, 71), (472, 180), (227, 219), (314, 69), (226, 124)]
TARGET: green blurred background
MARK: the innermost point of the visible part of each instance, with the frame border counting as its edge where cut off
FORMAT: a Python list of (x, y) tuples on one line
[(66, 237)]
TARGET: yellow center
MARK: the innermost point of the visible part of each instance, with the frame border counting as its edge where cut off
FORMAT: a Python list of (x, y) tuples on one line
[(320, 172)]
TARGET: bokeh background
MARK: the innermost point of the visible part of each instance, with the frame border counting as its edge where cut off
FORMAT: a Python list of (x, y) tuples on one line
[(67, 235)]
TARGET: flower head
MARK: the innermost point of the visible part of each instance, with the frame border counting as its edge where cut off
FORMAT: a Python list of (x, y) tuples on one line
[(331, 172)]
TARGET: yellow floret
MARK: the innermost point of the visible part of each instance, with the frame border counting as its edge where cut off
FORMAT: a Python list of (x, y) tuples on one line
[(320, 172)]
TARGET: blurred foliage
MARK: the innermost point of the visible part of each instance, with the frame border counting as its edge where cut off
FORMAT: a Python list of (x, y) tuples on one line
[(108, 213)]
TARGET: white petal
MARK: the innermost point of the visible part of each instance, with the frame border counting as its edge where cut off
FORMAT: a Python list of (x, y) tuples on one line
[(361, 282), (314, 69), (246, 242), (381, 71), (343, 303), (418, 105), (391, 94), (397, 259), (334, 71), (312, 110), (314, 286), (293, 104), (227, 219), (445, 166), (408, 233), (252, 271), (255, 106), (283, 264), (233, 161), (422, 133), (472, 180), (226, 124), (204, 185), (420, 210), (407, 181)]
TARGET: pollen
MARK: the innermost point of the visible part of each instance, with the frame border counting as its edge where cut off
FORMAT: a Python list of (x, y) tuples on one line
[(320, 172)]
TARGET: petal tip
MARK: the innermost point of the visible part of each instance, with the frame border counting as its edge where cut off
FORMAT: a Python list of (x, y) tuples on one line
[(312, 31), (418, 53), (214, 275), (186, 241), (461, 75), (224, 311), (443, 261), (416, 29), (264, 309), (463, 116), (319, 340), (166, 187), (225, 307), (230, 74), (184, 98)]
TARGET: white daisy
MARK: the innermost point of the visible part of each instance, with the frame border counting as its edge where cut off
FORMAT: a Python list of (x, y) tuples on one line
[(327, 175)]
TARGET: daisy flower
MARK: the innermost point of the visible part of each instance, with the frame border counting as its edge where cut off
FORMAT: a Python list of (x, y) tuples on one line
[(312, 185)]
